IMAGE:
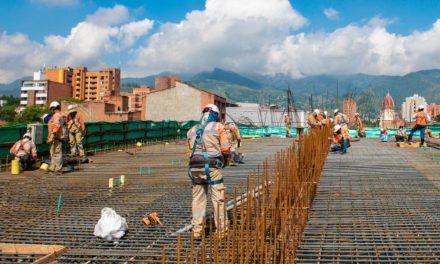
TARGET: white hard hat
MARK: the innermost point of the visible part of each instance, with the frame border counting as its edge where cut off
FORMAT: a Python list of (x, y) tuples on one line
[(336, 110), (421, 107), (325, 113), (336, 128), (72, 108), (54, 104), (316, 111), (211, 107), (27, 135)]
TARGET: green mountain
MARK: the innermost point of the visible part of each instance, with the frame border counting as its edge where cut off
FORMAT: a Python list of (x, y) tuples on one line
[(12, 88)]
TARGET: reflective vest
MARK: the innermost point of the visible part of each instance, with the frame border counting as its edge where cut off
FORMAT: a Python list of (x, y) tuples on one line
[(421, 119), (57, 126)]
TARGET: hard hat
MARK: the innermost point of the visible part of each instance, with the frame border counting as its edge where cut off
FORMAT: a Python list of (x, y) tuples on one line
[(336, 110), (54, 104), (72, 108), (325, 113), (211, 107), (316, 111), (336, 128), (356, 114), (421, 107), (27, 135)]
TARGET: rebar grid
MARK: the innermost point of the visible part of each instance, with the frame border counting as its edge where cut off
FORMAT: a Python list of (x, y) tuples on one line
[(375, 205), (29, 213)]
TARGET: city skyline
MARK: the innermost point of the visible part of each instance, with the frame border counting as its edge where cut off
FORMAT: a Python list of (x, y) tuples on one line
[(297, 38)]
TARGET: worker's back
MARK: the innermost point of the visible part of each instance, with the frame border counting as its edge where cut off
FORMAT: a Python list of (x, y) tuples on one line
[(421, 118), (214, 139)]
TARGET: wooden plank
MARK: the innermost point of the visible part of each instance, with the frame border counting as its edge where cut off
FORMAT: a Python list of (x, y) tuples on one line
[(408, 145), (50, 252)]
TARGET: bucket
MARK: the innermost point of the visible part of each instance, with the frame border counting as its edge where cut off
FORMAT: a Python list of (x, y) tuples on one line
[(15, 167), (44, 166)]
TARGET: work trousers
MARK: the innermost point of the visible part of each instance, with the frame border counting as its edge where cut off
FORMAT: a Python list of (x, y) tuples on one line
[(287, 131), (199, 202), (399, 138), (342, 147), (422, 133), (26, 162), (75, 141), (56, 156)]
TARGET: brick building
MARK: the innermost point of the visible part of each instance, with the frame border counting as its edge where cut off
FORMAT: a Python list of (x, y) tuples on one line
[(180, 103), (87, 85), (433, 110), (349, 109), (136, 97), (42, 92), (165, 82), (93, 111)]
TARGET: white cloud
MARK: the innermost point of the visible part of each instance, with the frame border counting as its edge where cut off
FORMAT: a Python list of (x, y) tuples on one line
[(367, 49), (88, 43), (227, 33), (331, 13), (57, 2)]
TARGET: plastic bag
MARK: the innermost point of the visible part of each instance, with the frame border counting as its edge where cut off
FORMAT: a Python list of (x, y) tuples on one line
[(111, 226)]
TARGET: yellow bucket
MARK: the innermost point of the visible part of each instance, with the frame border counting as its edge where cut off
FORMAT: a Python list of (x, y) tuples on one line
[(44, 166), (15, 167)]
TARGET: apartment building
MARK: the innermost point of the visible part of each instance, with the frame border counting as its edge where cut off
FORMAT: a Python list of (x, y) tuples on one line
[(165, 82), (41, 92), (88, 85)]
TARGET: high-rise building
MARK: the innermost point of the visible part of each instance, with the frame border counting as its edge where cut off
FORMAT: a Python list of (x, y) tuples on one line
[(433, 110), (349, 109), (410, 106), (88, 85)]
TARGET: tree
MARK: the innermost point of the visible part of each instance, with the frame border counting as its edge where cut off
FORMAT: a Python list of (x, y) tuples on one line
[(31, 114), (7, 113), (10, 100), (69, 99)]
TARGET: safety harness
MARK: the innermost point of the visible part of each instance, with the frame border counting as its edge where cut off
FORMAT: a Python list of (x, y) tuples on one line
[(207, 162)]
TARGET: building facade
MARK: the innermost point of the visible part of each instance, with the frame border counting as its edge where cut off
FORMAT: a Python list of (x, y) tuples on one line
[(350, 109), (41, 92), (93, 111), (180, 103), (388, 115), (165, 82), (136, 97), (433, 110), (410, 106), (88, 85)]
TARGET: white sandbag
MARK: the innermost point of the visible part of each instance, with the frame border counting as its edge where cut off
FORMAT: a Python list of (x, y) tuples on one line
[(111, 226)]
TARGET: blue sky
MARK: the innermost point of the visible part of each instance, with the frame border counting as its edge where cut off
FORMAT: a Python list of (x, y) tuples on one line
[(298, 38)]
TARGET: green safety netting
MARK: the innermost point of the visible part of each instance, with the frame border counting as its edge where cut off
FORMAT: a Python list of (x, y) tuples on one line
[(102, 135)]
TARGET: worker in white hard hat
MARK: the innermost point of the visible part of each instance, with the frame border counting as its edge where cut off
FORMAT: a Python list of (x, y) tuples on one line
[(422, 119), (56, 129), (339, 141), (287, 125), (209, 150), (342, 120), (25, 151), (313, 119), (326, 121), (76, 128)]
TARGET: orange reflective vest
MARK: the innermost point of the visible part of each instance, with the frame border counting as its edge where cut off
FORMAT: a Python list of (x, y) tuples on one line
[(421, 119)]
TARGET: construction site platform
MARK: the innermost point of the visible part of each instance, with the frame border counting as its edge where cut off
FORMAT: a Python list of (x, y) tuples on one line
[(37, 208), (376, 204)]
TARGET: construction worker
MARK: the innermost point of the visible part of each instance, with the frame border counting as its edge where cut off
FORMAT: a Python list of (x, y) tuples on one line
[(360, 125), (422, 119), (287, 125), (76, 127), (209, 150), (342, 120), (313, 119), (326, 122), (340, 142), (400, 134), (56, 135), (235, 140), (25, 151)]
